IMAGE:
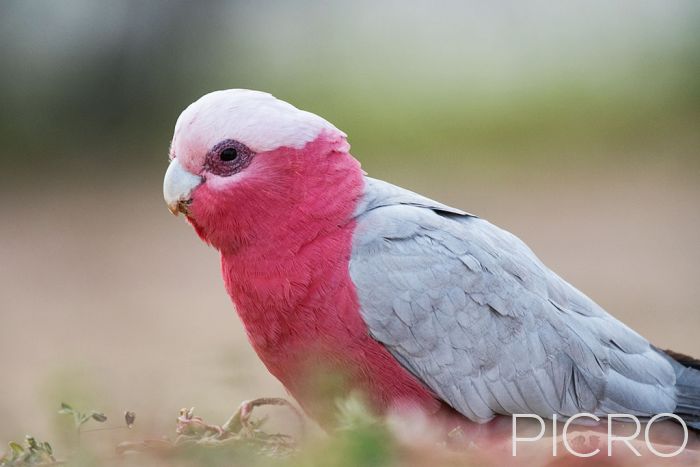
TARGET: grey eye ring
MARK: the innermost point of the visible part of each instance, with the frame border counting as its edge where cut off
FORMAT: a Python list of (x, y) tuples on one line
[(228, 157)]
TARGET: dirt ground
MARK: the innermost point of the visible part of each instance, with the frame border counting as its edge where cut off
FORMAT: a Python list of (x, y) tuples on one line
[(107, 298)]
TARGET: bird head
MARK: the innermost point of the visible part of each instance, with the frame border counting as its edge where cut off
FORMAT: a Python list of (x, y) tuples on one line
[(243, 161)]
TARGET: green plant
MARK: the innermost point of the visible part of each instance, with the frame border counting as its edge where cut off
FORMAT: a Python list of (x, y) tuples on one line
[(31, 453), (80, 418)]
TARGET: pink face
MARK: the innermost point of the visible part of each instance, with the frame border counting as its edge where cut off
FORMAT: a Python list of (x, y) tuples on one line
[(216, 167), (239, 150)]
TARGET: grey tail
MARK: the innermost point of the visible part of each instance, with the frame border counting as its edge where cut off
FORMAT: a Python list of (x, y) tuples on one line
[(687, 387)]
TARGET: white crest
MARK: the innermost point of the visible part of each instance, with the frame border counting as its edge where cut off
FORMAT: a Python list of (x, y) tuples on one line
[(256, 119)]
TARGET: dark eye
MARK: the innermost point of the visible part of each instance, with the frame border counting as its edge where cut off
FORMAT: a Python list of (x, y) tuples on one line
[(228, 157), (228, 154)]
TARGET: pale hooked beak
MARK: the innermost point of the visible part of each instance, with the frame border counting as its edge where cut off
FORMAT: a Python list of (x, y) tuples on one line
[(178, 185)]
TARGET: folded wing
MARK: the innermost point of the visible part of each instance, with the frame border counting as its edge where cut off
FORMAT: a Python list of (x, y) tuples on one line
[(470, 311)]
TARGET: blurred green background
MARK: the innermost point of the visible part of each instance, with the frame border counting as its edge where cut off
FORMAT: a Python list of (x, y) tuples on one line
[(572, 124), (96, 85)]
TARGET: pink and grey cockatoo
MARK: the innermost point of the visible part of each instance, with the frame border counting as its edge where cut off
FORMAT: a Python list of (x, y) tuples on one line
[(402, 298)]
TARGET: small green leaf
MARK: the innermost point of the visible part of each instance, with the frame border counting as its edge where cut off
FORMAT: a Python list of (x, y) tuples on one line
[(99, 417), (31, 442), (17, 449), (66, 407), (47, 448)]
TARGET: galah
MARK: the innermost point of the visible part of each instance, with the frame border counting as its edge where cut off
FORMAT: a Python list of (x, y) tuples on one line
[(345, 283)]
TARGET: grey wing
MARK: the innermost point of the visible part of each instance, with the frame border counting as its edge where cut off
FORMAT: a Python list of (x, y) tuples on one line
[(470, 311)]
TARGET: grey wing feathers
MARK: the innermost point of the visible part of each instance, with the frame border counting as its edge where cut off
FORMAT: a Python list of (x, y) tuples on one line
[(470, 311)]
